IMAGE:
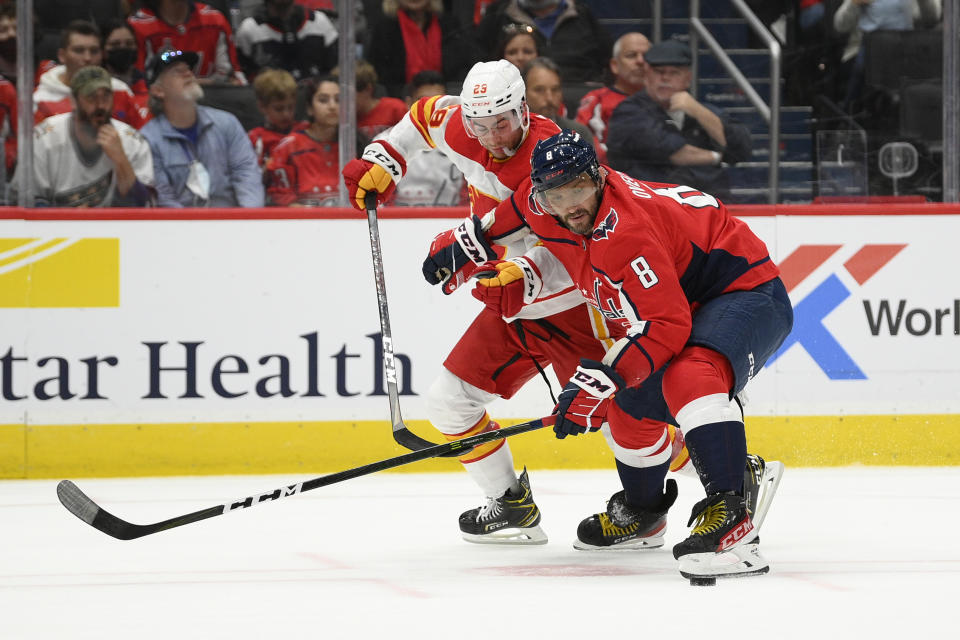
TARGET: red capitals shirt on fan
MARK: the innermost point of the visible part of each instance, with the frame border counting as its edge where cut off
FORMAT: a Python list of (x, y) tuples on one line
[(264, 140), (656, 253), (304, 171), (595, 110), (53, 96), (205, 31)]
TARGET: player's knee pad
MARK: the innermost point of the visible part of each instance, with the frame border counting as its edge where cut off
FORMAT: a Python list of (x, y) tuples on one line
[(694, 373), (455, 406), (709, 409), (637, 442)]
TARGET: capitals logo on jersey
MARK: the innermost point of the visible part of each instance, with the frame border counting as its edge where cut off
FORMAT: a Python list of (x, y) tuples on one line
[(605, 228)]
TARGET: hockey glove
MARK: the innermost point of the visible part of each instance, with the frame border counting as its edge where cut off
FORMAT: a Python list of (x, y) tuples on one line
[(583, 403), (455, 255), (378, 169), (516, 283)]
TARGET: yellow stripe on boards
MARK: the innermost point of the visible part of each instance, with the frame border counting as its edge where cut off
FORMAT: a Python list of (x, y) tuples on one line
[(316, 448)]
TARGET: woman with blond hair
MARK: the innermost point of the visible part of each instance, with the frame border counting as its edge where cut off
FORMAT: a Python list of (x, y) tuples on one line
[(414, 36)]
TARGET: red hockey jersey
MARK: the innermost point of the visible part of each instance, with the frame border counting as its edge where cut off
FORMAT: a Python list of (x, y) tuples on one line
[(206, 32), (657, 252), (304, 171), (264, 140)]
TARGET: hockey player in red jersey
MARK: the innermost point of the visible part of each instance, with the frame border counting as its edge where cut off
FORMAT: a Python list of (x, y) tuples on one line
[(489, 134), (697, 307)]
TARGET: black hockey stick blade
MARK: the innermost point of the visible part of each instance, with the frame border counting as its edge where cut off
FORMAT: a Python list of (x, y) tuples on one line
[(82, 506)]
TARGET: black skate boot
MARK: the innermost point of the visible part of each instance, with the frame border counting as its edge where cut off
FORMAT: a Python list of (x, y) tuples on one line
[(509, 519), (722, 543), (623, 527)]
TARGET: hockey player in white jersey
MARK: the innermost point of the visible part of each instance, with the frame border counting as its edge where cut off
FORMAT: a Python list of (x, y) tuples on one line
[(489, 134)]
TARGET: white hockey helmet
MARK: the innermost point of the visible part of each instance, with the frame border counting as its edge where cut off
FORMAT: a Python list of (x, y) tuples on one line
[(494, 88)]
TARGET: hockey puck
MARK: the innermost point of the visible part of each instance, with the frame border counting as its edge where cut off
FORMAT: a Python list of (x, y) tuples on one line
[(705, 581)]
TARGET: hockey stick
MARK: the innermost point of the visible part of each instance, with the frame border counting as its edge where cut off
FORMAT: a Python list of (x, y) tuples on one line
[(401, 433), (80, 505)]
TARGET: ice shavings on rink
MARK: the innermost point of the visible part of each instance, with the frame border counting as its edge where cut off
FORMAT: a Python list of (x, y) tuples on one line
[(855, 553)]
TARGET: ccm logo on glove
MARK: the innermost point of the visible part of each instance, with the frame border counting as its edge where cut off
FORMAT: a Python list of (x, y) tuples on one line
[(372, 154)]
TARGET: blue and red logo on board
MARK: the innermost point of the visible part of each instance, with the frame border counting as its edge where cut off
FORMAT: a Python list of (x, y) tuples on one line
[(809, 331)]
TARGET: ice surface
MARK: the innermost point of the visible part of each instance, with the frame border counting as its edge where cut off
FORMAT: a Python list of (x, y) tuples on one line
[(854, 552)]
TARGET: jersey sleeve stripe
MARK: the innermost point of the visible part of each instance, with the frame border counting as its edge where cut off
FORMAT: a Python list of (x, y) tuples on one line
[(600, 327), (420, 114), (633, 342)]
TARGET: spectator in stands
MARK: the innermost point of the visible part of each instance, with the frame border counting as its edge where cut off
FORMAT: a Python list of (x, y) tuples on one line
[(8, 124), (8, 41), (304, 170), (431, 180), (80, 47), (286, 35), (575, 41), (414, 36), (663, 134), (202, 157), (188, 25), (374, 114), (627, 67), (857, 17), (85, 158), (519, 43), (545, 94), (120, 56), (276, 93)]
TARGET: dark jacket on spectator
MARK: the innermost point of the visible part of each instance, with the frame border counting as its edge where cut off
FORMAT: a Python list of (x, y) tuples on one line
[(305, 44), (387, 53), (579, 46), (642, 137)]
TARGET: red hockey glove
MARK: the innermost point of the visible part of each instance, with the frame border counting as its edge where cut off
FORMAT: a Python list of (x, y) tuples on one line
[(584, 401), (378, 169), (457, 254), (516, 283)]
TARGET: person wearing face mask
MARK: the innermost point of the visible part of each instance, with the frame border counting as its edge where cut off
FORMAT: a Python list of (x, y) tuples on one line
[(85, 158), (120, 56), (202, 156), (574, 38), (289, 36), (80, 47)]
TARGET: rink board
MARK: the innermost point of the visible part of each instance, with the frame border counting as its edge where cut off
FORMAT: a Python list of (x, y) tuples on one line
[(186, 345)]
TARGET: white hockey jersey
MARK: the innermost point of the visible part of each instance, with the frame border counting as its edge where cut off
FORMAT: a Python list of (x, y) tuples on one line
[(63, 177)]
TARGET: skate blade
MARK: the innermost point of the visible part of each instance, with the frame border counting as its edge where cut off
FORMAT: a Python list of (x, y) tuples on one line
[(639, 544), (516, 535), (772, 474), (739, 562)]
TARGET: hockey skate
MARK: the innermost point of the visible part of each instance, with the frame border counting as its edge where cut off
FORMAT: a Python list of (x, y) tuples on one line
[(723, 543), (623, 527), (509, 519)]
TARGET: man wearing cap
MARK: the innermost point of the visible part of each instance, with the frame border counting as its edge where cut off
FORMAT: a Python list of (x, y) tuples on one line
[(663, 134), (202, 156), (85, 158)]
